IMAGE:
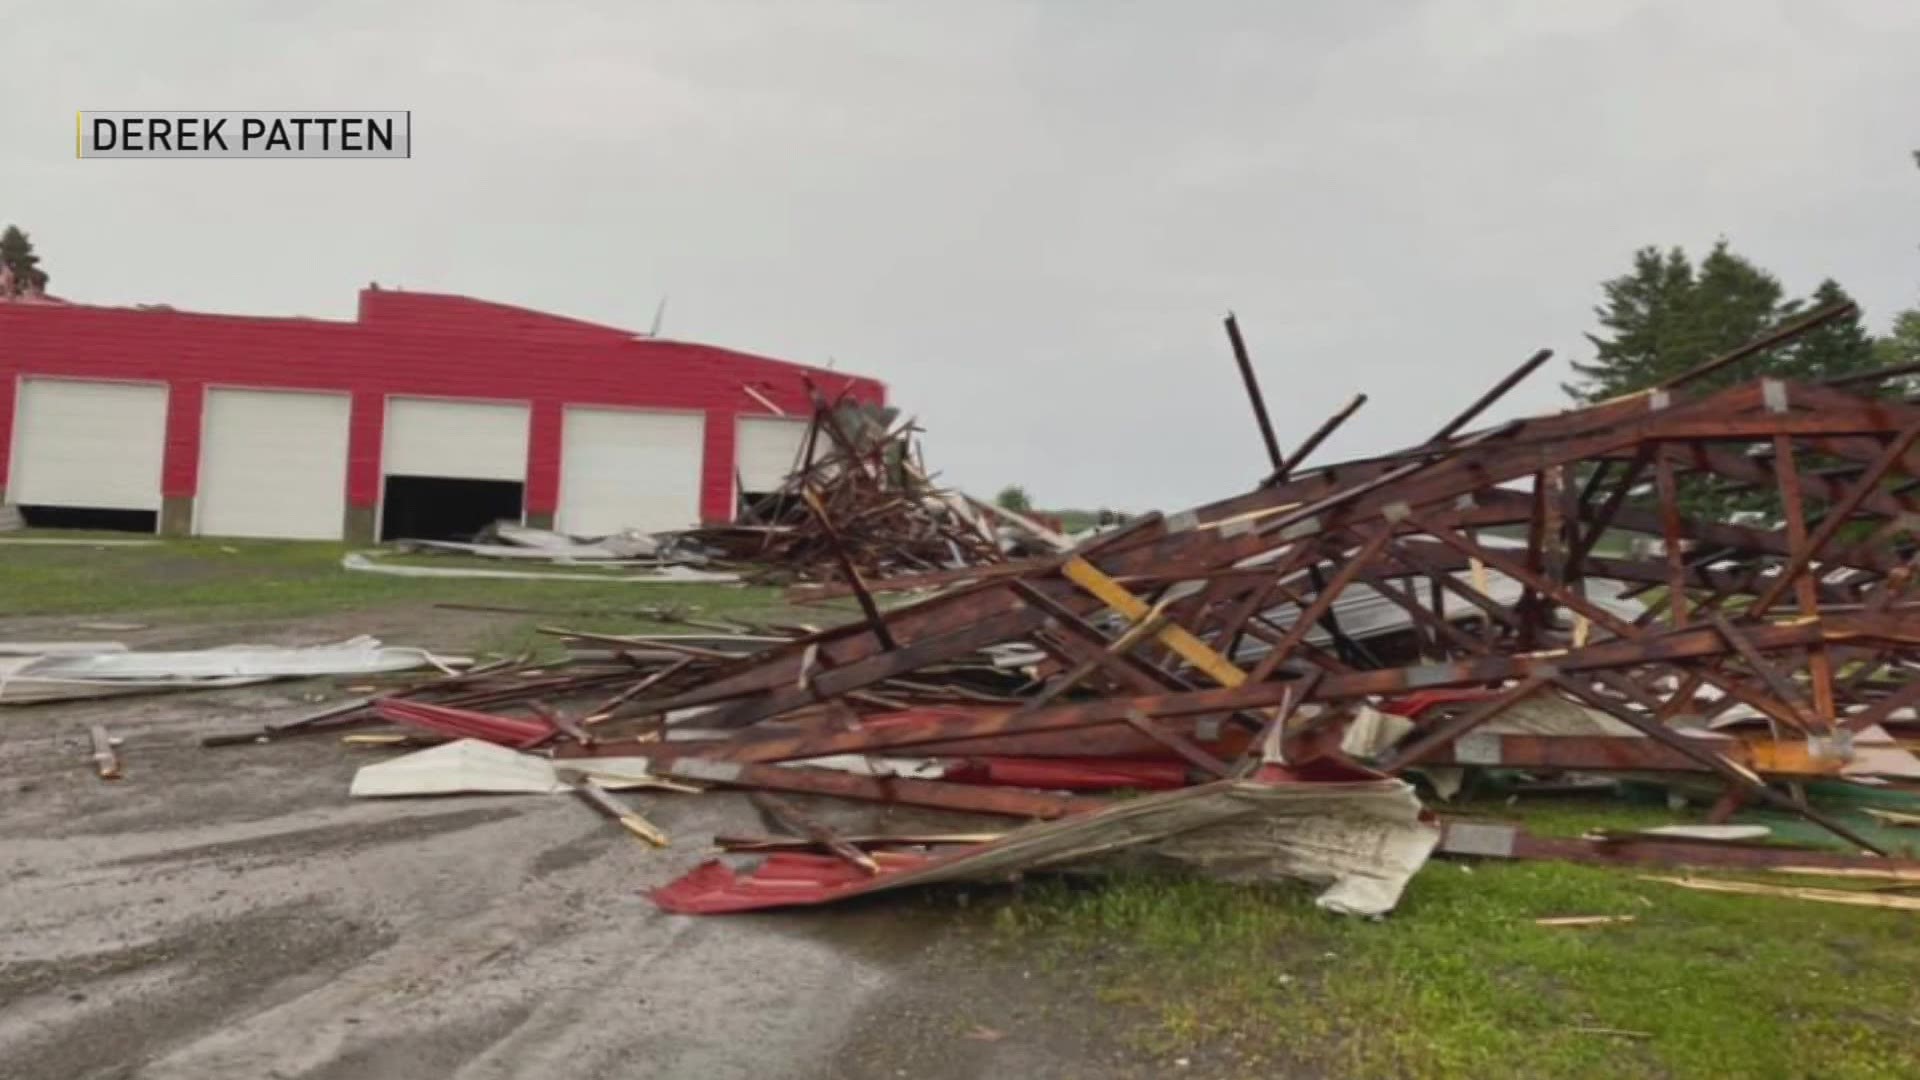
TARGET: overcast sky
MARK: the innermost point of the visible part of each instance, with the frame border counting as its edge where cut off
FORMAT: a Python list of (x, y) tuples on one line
[(1028, 218)]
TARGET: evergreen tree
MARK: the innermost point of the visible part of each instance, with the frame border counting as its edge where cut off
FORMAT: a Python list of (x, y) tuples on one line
[(1903, 345), (1734, 302), (17, 257), (1014, 497), (1644, 320), (1667, 316), (1832, 349)]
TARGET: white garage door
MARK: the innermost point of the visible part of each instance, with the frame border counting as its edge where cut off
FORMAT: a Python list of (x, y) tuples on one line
[(628, 469), (88, 444), (273, 463), (472, 440), (766, 449)]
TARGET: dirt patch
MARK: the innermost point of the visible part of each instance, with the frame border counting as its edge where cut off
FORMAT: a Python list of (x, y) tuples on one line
[(437, 1051), (573, 853), (95, 1017), (300, 843)]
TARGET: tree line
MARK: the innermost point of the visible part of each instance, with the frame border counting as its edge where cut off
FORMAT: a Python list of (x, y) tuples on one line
[(1669, 313)]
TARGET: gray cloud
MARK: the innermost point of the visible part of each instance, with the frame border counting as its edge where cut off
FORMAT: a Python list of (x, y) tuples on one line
[(1027, 217)]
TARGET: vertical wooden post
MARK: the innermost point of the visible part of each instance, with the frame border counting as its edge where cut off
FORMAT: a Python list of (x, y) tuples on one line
[(1806, 592), (1247, 376), (1670, 538)]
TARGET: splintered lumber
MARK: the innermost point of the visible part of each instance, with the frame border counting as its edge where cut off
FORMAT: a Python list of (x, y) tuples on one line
[(389, 738), (1908, 875), (790, 843), (1892, 817), (793, 819), (1503, 840), (106, 759), (1611, 1032), (1011, 802), (1584, 920), (1794, 892), (857, 506), (342, 711), (561, 723), (598, 797)]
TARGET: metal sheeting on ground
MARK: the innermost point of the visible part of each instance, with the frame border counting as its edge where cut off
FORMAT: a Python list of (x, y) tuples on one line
[(64, 675), (507, 540), (368, 562), (475, 767), (1362, 839)]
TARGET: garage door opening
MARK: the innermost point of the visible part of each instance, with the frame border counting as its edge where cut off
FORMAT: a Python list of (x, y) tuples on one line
[(771, 508), (96, 518), (446, 508)]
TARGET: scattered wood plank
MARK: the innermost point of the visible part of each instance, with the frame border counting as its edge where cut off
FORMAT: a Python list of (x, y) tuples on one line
[(628, 818), (749, 844), (1893, 817), (791, 817), (106, 759), (1618, 1033), (1585, 920), (1782, 892)]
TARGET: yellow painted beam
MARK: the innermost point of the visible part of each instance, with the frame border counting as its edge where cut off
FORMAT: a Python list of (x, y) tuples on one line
[(1790, 757), (1183, 643)]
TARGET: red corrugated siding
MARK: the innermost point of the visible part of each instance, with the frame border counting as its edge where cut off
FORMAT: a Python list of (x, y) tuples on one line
[(543, 459), (180, 469), (365, 426), (7, 385), (435, 346)]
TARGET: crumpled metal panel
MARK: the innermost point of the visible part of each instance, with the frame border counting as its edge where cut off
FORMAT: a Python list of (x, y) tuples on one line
[(1362, 839)]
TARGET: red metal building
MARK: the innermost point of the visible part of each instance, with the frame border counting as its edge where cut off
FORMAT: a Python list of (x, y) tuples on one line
[(423, 415)]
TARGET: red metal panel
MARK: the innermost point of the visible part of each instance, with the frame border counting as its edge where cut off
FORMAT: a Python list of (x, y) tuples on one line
[(412, 344), (783, 879), (7, 384), (543, 458), (180, 465), (514, 731), (366, 427), (717, 467)]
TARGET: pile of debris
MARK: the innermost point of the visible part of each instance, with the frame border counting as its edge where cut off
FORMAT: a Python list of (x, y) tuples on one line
[(859, 504), (631, 557), (511, 541), (1273, 667)]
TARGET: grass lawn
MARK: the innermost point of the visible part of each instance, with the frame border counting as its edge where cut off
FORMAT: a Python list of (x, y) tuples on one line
[(247, 579), (1460, 982)]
